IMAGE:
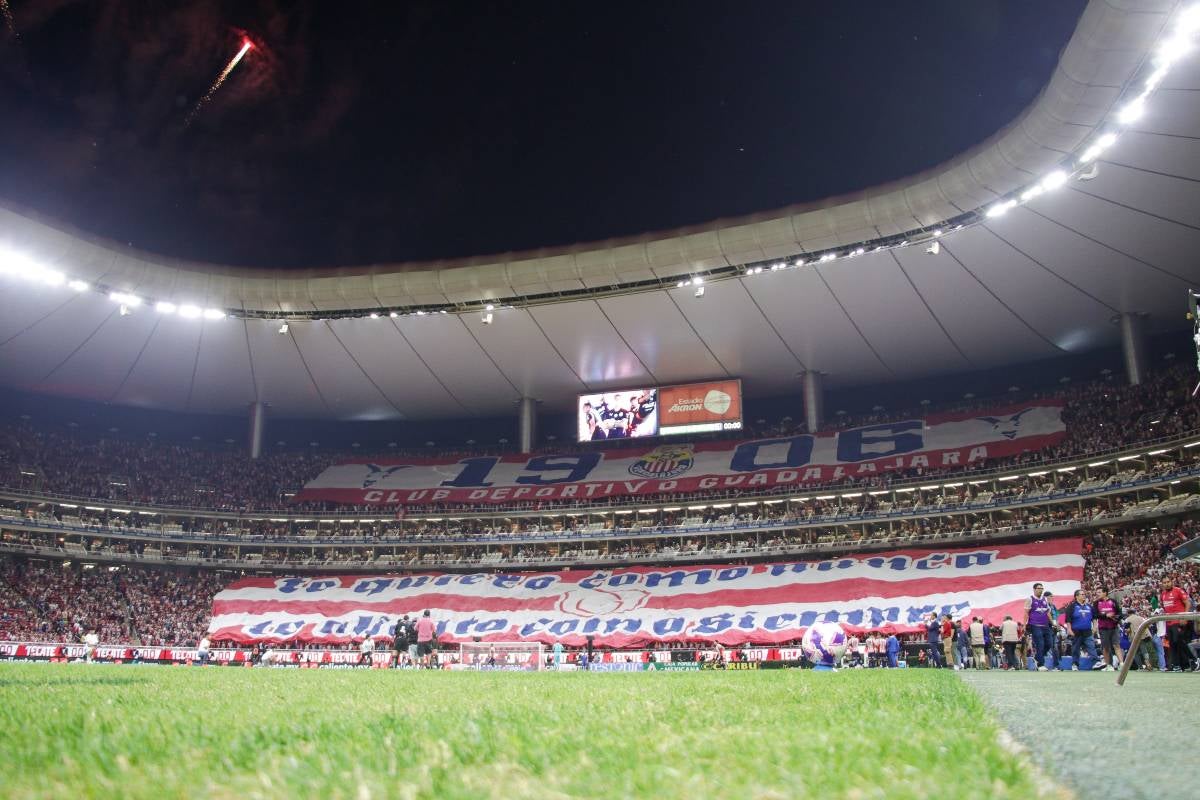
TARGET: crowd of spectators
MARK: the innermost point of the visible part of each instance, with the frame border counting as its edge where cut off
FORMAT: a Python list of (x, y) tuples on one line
[(57, 603), (1100, 416), (1132, 563), (44, 601), (53, 601)]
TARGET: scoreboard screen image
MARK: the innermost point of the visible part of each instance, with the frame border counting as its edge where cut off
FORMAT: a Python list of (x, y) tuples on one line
[(660, 411), (626, 414)]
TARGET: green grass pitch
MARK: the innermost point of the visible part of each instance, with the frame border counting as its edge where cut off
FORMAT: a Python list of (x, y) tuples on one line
[(122, 731)]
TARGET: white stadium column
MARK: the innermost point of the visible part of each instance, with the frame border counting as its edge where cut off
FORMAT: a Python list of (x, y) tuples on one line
[(1133, 345), (814, 401), (258, 423), (526, 424)]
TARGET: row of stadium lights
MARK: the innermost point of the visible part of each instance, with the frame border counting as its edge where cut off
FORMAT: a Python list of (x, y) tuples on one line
[(1175, 46)]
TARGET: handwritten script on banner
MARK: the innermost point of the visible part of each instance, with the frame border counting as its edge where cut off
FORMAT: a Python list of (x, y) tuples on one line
[(730, 604), (932, 443)]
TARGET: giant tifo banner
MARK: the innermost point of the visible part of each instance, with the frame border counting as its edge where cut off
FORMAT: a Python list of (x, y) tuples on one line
[(760, 603), (932, 443)]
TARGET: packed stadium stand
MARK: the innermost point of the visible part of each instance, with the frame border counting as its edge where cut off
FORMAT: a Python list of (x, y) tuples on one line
[(192, 519)]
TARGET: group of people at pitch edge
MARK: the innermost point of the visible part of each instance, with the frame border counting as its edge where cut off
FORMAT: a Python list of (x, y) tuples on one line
[(1084, 622), (413, 639)]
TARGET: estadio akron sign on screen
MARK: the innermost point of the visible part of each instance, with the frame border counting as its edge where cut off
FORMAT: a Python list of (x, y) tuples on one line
[(699, 407)]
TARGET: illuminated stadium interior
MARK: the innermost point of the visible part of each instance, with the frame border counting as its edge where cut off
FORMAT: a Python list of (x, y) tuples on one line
[(936, 390)]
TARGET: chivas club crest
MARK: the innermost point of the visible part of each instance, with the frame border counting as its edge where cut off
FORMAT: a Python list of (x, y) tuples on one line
[(668, 461)]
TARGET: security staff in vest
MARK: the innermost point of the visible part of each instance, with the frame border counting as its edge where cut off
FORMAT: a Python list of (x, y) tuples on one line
[(1037, 623)]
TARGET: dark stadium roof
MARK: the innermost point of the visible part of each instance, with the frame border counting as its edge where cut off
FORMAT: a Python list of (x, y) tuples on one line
[(1043, 276)]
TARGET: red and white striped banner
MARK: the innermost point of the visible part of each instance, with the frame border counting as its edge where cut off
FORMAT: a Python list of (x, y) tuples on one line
[(934, 443), (730, 604)]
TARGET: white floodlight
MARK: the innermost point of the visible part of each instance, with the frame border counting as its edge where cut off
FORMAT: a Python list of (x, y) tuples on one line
[(1031, 192), (125, 299), (163, 307), (1054, 180), (1132, 112), (190, 312), (1000, 209), (1174, 49)]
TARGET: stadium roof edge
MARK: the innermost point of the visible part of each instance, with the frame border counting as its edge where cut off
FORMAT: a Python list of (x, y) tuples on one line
[(1103, 55)]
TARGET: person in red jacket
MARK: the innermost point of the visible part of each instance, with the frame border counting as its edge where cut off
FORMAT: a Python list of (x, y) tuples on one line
[(1175, 601)]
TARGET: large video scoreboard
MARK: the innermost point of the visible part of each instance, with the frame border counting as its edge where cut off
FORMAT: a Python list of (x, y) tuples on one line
[(660, 411)]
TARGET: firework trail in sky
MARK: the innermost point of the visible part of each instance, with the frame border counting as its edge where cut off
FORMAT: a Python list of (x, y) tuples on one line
[(203, 101), (8, 19)]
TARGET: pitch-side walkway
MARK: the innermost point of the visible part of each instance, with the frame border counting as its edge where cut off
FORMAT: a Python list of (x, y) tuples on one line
[(1101, 741)]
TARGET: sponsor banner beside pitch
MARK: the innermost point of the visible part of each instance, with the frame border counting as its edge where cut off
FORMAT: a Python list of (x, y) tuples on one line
[(729, 604), (949, 440)]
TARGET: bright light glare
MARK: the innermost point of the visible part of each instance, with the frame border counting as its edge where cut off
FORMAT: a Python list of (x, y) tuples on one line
[(1189, 20), (214, 313), (190, 311), (163, 307), (697, 280), (125, 299), (1031, 192), (1054, 180), (1132, 112), (1000, 209), (1173, 49), (829, 257), (26, 268), (78, 286)]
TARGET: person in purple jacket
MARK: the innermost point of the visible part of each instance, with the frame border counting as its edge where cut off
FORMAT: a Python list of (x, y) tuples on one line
[(1037, 623), (1108, 623)]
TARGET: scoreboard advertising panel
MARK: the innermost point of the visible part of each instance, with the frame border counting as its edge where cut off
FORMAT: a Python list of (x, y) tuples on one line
[(700, 407), (661, 411)]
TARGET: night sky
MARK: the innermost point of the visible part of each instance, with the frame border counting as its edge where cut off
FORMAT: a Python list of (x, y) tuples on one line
[(359, 133)]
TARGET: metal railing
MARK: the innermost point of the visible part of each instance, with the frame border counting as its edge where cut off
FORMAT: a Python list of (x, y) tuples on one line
[(1140, 633), (158, 533)]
